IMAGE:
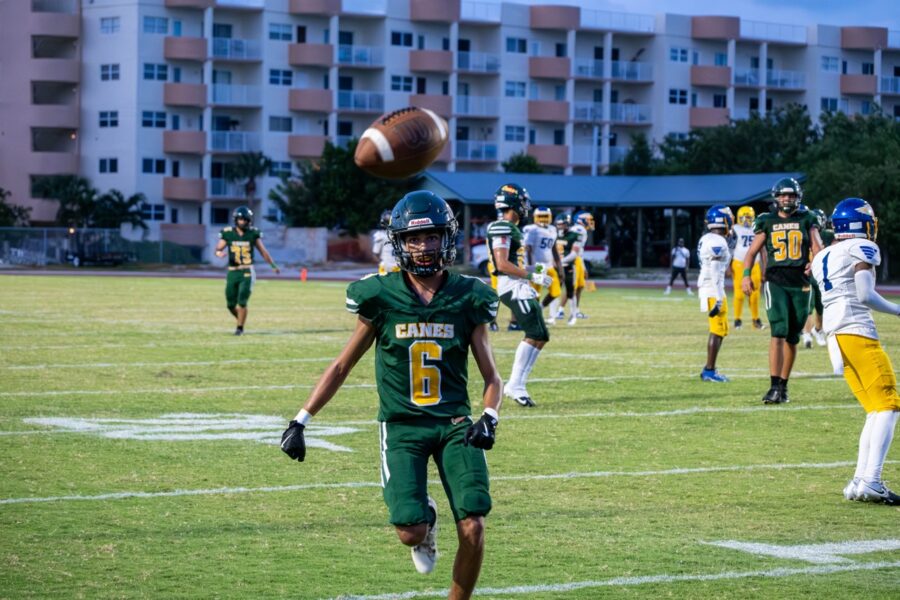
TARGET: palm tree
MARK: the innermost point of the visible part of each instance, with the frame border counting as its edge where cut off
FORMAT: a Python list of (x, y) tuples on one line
[(113, 209), (246, 169), (75, 195)]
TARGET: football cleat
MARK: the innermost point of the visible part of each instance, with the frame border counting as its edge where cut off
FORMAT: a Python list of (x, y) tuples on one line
[(425, 555), (775, 395), (550, 321), (807, 340), (712, 375), (514, 327), (851, 490), (581, 315), (520, 396), (689, 291), (819, 336), (493, 326), (738, 324), (572, 320), (877, 492), (560, 314), (668, 290), (239, 331), (758, 324)]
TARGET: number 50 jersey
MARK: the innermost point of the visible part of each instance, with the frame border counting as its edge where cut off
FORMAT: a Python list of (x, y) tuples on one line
[(788, 244), (834, 270), (422, 351)]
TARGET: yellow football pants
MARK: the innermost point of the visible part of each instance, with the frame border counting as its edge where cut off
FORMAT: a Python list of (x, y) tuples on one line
[(718, 325), (737, 275), (579, 273), (869, 373), (555, 289)]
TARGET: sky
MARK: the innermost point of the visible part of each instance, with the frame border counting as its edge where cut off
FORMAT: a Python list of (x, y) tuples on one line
[(878, 13)]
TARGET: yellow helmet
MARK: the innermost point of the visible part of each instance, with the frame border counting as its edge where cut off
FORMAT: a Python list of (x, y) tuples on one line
[(746, 215), (542, 215)]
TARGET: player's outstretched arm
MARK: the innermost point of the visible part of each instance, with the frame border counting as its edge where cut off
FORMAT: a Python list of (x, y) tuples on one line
[(265, 254), (749, 258), (865, 290), (557, 262), (220, 247), (481, 433)]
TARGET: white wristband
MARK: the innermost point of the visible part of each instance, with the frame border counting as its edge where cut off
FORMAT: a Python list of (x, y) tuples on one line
[(303, 417), (493, 413)]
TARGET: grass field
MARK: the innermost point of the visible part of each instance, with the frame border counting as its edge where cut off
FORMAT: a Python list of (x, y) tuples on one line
[(137, 445)]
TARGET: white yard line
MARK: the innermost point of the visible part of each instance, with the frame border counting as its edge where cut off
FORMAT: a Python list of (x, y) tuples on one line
[(191, 363), (207, 390)]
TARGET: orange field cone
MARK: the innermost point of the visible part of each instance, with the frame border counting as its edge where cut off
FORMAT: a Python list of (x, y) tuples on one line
[(303, 274), (590, 286)]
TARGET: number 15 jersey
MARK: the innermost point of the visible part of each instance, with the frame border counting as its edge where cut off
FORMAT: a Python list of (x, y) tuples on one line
[(834, 269)]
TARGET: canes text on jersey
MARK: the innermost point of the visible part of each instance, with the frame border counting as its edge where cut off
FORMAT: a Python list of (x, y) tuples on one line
[(424, 330)]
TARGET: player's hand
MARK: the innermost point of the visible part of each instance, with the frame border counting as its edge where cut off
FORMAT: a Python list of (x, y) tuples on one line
[(481, 434), (276, 269), (716, 309), (539, 279), (292, 441), (220, 253), (747, 285)]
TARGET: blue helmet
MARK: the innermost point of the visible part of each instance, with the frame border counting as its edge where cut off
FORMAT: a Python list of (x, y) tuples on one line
[(854, 218), (720, 216)]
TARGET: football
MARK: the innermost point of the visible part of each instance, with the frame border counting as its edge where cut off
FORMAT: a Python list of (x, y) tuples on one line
[(402, 143)]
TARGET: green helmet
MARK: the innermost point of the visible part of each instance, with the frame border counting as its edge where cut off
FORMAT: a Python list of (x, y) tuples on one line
[(563, 219), (789, 188), (821, 217), (242, 212), (423, 211), (513, 196)]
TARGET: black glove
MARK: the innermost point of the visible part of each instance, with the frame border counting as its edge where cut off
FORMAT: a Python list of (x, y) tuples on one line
[(292, 442), (715, 309), (481, 434)]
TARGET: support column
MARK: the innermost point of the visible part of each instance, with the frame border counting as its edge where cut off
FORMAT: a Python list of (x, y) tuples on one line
[(877, 62), (639, 263), (206, 160), (452, 84), (729, 93), (607, 100), (570, 98), (333, 75), (763, 76)]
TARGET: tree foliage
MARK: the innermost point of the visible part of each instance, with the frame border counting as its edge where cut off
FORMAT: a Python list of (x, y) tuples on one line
[(245, 169), (639, 160), (81, 205), (12, 215), (522, 163)]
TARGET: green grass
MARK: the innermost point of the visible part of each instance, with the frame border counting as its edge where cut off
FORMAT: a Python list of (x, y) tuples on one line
[(617, 510)]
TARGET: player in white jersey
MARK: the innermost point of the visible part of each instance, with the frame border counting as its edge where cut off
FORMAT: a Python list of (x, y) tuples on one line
[(845, 274), (540, 247), (584, 223), (382, 247), (715, 259), (743, 237)]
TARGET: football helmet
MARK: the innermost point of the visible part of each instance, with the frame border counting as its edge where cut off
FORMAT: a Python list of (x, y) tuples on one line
[(719, 216), (788, 188), (385, 219), (746, 215), (513, 196), (563, 221), (242, 212), (423, 211), (854, 218), (821, 218), (542, 215), (585, 219)]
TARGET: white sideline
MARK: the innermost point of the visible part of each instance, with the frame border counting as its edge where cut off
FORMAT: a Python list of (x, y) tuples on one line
[(191, 363), (363, 484), (632, 581)]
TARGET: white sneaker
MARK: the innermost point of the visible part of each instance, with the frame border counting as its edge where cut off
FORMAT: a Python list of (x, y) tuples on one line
[(550, 321), (807, 340), (690, 292), (560, 314), (851, 490), (520, 395), (425, 555), (668, 290), (877, 492), (572, 320), (820, 337)]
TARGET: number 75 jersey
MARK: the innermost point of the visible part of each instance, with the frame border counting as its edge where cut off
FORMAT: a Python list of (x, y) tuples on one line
[(834, 270)]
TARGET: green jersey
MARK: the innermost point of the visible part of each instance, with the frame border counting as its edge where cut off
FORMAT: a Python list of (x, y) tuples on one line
[(566, 243), (788, 246), (504, 234), (240, 247), (422, 351), (827, 237)]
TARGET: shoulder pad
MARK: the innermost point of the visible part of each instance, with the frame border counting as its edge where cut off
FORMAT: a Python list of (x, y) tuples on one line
[(226, 230)]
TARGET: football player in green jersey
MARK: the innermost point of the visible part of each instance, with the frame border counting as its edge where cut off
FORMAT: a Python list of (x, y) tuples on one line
[(813, 328), (240, 241), (423, 320), (791, 238), (507, 249)]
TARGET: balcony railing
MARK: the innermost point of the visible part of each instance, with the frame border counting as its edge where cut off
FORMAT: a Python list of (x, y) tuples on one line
[(234, 141), (482, 62), (369, 56), (69, 7), (342, 141), (604, 19), (632, 71), (746, 77), (775, 32), (236, 49), (740, 113), (242, 3), (785, 79), (484, 106), (617, 154), (362, 101), (586, 67), (222, 188), (470, 150), (587, 111), (890, 85), (236, 95), (479, 11), (365, 7), (629, 113)]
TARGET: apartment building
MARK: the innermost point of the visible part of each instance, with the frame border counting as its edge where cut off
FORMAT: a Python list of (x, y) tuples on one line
[(157, 96)]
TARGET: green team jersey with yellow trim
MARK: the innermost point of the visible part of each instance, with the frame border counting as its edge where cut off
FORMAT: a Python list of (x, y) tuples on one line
[(240, 247), (788, 246), (827, 237), (422, 351), (565, 243)]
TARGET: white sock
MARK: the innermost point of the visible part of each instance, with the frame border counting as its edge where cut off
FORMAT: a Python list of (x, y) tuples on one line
[(554, 307), (532, 357), (572, 308), (523, 353), (880, 443), (864, 437)]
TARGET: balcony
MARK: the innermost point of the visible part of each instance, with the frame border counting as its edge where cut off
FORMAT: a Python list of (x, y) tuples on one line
[(55, 69), (565, 18), (241, 4), (710, 76), (184, 94), (485, 107), (587, 111), (183, 188), (183, 234), (365, 102), (858, 85), (222, 189), (434, 11), (56, 24), (479, 13), (52, 163), (236, 142), (236, 95), (864, 38), (307, 100), (310, 55), (616, 21), (60, 7), (478, 63), (61, 116), (708, 116), (715, 28), (364, 8), (890, 85), (229, 49), (641, 72), (588, 69), (321, 8), (306, 146), (185, 48), (740, 113), (785, 80), (554, 111), (361, 56), (441, 105), (582, 155), (549, 155), (773, 32), (184, 142), (746, 77), (197, 4), (628, 113), (471, 151), (549, 67), (431, 61)]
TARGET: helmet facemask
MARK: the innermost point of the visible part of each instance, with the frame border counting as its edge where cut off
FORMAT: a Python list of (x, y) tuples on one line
[(425, 263)]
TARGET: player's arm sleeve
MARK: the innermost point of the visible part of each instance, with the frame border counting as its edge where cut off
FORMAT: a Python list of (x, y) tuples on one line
[(865, 293), (362, 299), (485, 303)]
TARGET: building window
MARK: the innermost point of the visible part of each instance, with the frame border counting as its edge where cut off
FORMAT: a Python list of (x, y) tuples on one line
[(152, 118), (109, 118), (156, 25), (280, 32), (345, 128), (153, 212), (559, 92), (865, 107), (109, 72), (514, 89), (561, 50), (514, 133), (110, 25), (220, 216), (829, 104), (677, 96), (720, 101), (402, 38), (281, 124), (559, 137), (678, 55), (109, 165), (868, 68), (153, 166), (516, 45), (156, 72), (280, 169), (830, 64), (401, 83), (280, 77), (720, 59)]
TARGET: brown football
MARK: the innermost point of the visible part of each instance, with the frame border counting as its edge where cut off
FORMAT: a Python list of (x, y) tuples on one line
[(402, 143)]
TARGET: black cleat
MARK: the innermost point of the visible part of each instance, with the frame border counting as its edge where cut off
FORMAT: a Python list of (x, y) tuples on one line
[(493, 326), (738, 323), (524, 401), (239, 331), (784, 395), (774, 395), (758, 324), (514, 327)]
